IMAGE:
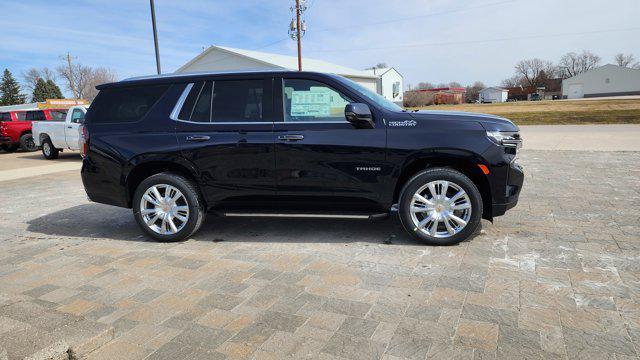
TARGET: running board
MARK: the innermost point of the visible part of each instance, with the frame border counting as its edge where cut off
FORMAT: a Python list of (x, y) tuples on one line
[(307, 215)]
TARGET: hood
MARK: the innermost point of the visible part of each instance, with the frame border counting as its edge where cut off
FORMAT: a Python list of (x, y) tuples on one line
[(489, 122)]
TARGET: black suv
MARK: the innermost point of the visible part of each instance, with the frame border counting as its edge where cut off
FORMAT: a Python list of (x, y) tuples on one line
[(293, 144)]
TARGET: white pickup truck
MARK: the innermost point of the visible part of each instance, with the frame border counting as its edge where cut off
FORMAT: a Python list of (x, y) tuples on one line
[(55, 136)]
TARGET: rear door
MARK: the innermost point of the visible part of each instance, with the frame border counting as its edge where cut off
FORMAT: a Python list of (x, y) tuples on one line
[(319, 155), (225, 127)]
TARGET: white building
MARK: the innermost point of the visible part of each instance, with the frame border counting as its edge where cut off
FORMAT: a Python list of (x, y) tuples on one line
[(222, 58), (607, 80), (390, 83), (493, 95)]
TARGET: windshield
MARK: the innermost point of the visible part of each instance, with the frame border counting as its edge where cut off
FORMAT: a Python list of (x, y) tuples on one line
[(374, 97)]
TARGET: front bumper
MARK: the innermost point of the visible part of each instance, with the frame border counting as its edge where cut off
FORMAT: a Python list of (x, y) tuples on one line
[(515, 179), (5, 140)]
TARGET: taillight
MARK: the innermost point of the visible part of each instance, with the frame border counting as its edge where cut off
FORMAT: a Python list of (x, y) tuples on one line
[(83, 140)]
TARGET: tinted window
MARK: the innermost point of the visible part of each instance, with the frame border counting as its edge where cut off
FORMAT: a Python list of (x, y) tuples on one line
[(58, 115), (77, 116), (309, 100), (21, 116), (202, 110), (5, 116), (230, 101), (187, 107), (237, 100), (37, 115), (128, 104)]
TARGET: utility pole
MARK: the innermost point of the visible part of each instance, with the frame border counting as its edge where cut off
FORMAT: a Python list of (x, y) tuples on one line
[(297, 28), (71, 78), (155, 35)]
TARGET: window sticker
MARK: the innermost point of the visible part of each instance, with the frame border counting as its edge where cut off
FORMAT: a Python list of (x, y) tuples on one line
[(314, 102)]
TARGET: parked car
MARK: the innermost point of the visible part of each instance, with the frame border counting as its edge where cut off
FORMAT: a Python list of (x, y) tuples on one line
[(535, 97), (15, 127), (294, 144), (57, 135)]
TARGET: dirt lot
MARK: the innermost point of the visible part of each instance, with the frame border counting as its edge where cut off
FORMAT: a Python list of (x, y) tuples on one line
[(609, 111)]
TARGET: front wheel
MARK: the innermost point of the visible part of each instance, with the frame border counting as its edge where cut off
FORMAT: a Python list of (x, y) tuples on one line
[(168, 207), (440, 206), (48, 150), (27, 143)]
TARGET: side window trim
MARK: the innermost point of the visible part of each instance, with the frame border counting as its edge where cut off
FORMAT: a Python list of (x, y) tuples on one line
[(178, 107)]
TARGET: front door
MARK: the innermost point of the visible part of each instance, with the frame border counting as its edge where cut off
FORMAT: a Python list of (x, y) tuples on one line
[(71, 134), (320, 157), (225, 129)]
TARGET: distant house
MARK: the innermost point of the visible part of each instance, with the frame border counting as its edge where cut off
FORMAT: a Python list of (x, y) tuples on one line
[(607, 80), (390, 83), (222, 58), (493, 95)]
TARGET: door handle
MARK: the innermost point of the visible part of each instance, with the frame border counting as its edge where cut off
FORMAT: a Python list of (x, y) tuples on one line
[(69, 127), (198, 138), (290, 137)]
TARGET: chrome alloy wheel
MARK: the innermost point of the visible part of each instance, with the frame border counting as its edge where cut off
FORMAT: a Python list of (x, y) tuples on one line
[(440, 209), (164, 209), (46, 148)]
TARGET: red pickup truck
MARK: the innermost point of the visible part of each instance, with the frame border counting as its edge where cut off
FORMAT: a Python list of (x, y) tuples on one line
[(15, 127)]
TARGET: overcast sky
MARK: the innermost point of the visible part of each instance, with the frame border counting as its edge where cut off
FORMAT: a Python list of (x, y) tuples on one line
[(426, 40)]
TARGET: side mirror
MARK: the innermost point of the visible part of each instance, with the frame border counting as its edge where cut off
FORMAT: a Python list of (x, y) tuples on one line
[(359, 115)]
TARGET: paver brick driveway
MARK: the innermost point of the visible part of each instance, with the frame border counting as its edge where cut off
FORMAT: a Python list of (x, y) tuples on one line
[(557, 277)]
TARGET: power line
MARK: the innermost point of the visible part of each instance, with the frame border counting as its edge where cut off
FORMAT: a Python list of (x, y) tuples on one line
[(477, 41), (361, 25)]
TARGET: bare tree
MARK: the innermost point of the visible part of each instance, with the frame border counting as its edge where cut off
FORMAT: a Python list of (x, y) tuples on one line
[(96, 77), (425, 85), (473, 91), (514, 81), (627, 61), (381, 65), (454, 84), (32, 75), (81, 80), (572, 64), (531, 69)]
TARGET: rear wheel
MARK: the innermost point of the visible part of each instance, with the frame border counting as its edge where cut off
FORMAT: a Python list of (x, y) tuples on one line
[(168, 207), (27, 143), (48, 150), (440, 206)]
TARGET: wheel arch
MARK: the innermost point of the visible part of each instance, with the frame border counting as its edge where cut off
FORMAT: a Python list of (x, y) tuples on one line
[(139, 171), (465, 162)]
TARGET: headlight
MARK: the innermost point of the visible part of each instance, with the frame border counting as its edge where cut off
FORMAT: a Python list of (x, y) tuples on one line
[(505, 138)]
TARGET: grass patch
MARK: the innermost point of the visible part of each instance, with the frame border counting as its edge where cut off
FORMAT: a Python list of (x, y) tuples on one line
[(610, 111), (574, 117)]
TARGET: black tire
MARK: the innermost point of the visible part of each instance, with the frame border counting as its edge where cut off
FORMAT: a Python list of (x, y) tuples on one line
[(48, 150), (435, 174), (193, 199), (27, 143)]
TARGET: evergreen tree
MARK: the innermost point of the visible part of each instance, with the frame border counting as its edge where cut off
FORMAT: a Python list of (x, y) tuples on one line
[(40, 91), (10, 90), (45, 90), (54, 90)]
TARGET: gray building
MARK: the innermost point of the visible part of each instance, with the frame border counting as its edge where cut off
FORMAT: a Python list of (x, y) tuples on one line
[(607, 80)]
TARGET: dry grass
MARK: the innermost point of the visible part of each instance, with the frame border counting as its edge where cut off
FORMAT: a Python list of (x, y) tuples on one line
[(610, 111)]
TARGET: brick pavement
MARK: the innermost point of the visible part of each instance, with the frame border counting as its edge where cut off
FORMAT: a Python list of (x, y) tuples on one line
[(558, 277)]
